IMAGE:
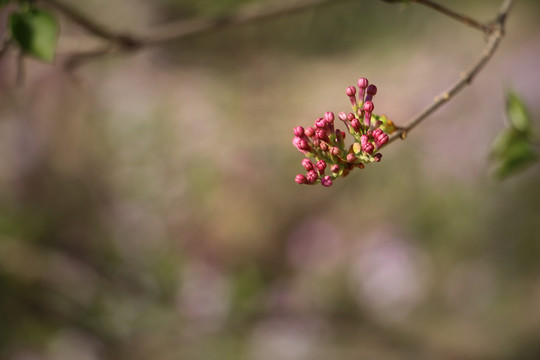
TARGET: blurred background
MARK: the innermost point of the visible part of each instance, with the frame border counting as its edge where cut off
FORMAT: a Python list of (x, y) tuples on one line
[(148, 208)]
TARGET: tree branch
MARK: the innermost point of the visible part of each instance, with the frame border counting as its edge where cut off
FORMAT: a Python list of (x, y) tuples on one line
[(454, 15), (123, 42), (496, 33)]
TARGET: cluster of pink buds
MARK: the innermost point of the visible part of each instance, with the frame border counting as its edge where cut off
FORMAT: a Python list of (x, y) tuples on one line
[(325, 144)]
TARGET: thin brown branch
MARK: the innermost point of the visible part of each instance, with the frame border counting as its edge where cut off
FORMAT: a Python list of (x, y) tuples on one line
[(496, 34), (93, 27), (196, 27), (454, 15), (123, 42)]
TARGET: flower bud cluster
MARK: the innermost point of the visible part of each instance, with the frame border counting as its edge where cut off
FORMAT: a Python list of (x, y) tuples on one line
[(325, 144)]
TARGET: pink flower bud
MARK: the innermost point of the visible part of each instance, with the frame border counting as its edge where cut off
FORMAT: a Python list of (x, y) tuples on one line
[(321, 165), (324, 146), (351, 91), (329, 117), (381, 140), (334, 150), (335, 168), (355, 124), (368, 147), (295, 140), (307, 164), (371, 90), (364, 139), (351, 158), (326, 181), (300, 179), (320, 123), (312, 176), (368, 106), (303, 145), (321, 134), (363, 83), (299, 131), (350, 116), (342, 116), (309, 132), (377, 157), (376, 133)]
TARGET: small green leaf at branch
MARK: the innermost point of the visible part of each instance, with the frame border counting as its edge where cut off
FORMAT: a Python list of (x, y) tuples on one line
[(517, 113), (513, 150), (36, 33)]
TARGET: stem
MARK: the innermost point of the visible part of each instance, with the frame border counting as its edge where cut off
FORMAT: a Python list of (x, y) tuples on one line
[(496, 34), (454, 15), (124, 42)]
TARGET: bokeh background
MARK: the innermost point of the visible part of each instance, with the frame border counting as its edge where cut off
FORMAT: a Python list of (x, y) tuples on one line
[(148, 208)]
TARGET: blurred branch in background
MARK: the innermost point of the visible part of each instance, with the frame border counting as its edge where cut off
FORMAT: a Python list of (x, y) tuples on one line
[(495, 31), (124, 42)]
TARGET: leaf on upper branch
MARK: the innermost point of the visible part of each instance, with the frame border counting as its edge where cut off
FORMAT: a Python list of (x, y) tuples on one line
[(36, 33), (513, 150)]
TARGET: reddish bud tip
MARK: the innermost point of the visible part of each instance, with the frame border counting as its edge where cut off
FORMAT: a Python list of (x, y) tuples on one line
[(363, 83), (300, 179), (351, 158), (303, 145), (350, 116), (368, 106), (364, 139), (326, 181), (312, 176), (335, 168), (321, 165), (321, 134), (381, 139), (377, 157), (329, 117), (334, 150), (299, 131), (307, 164), (324, 146), (351, 91), (368, 147), (320, 123), (309, 132), (371, 90), (342, 116), (355, 124)]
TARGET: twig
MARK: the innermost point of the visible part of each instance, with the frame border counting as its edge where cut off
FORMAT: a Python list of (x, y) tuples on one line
[(123, 42), (121, 39), (456, 16), (496, 34)]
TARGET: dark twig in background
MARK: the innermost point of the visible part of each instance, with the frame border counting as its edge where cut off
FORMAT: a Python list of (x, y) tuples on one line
[(456, 16), (119, 42)]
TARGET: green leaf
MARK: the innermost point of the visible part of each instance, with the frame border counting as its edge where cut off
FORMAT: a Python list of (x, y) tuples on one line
[(517, 113), (512, 152), (519, 155), (36, 33)]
